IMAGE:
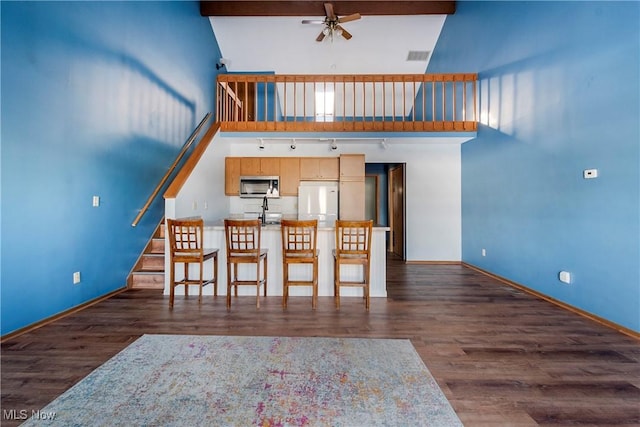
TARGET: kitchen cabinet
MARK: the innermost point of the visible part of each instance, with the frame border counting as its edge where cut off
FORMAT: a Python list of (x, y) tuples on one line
[(289, 176), (320, 168), (291, 170), (352, 205), (352, 166), (232, 176), (352, 187), (260, 166)]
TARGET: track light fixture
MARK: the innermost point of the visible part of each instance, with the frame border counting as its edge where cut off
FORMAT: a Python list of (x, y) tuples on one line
[(221, 63), (383, 143), (261, 146), (293, 144), (334, 146)]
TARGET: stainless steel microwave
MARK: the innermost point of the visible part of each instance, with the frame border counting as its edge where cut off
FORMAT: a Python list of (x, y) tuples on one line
[(259, 186)]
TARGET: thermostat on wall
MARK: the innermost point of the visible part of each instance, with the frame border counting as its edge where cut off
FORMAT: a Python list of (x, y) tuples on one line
[(590, 173)]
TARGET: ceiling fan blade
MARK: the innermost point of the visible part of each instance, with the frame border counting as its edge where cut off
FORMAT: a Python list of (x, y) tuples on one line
[(346, 34), (312, 21), (348, 18), (328, 7), (320, 36)]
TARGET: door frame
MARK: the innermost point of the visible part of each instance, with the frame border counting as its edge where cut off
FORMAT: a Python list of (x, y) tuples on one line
[(399, 184)]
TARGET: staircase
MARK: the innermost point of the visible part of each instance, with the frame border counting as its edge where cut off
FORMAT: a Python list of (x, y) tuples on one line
[(148, 272)]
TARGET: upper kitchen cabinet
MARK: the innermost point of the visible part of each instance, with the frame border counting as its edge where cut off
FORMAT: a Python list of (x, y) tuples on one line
[(320, 168), (352, 166), (289, 176), (260, 166), (232, 176)]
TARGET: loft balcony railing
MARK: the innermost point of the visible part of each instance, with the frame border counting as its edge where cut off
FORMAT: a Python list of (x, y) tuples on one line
[(344, 103)]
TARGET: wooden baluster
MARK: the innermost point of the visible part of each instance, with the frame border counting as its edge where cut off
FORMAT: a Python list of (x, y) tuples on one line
[(384, 101), (433, 101), (344, 101), (284, 102), (454, 100), (444, 101), (475, 117), (393, 98), (245, 110), (414, 101), (373, 117), (404, 100), (424, 99), (354, 100), (218, 102)]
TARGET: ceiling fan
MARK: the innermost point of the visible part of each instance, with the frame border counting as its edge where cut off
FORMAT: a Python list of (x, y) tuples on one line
[(332, 24)]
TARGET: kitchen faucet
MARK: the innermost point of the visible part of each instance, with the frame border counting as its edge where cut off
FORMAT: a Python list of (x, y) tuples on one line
[(265, 207)]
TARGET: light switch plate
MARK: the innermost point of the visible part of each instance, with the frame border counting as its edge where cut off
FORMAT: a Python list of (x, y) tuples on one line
[(565, 277), (590, 173)]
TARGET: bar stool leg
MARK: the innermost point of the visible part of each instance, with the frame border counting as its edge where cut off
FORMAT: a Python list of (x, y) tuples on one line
[(336, 272), (285, 283), (215, 275), (228, 286)]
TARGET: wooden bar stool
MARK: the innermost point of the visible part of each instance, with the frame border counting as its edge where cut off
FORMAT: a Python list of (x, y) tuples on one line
[(353, 246), (243, 247), (186, 247), (299, 247)]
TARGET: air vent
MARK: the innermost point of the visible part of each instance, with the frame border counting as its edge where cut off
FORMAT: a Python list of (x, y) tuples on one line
[(418, 55)]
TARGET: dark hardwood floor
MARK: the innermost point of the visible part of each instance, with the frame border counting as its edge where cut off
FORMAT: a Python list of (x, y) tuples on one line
[(502, 357)]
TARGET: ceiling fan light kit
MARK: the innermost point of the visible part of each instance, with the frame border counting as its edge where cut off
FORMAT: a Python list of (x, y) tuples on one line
[(332, 23)]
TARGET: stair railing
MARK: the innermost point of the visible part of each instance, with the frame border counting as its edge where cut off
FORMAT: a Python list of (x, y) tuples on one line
[(173, 166), (347, 103)]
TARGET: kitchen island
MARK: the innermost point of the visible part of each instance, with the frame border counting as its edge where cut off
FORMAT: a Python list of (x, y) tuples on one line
[(271, 239)]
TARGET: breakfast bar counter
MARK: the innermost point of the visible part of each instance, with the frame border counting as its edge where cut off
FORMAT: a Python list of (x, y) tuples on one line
[(271, 239)]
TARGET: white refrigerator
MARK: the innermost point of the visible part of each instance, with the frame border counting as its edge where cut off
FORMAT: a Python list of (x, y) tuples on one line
[(318, 200)]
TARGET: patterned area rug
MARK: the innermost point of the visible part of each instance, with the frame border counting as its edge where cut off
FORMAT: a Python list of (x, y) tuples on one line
[(257, 381)]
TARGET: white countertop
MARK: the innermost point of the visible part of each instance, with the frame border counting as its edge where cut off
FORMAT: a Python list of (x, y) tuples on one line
[(322, 226)]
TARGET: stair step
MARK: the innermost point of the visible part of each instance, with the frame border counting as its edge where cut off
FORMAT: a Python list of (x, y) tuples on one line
[(156, 246), (147, 280), (152, 262), (148, 273)]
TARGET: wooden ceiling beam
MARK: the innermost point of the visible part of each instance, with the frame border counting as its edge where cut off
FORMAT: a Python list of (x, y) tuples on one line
[(316, 8)]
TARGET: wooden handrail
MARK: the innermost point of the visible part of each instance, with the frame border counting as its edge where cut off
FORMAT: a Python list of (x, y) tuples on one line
[(342, 103), (166, 176), (192, 161)]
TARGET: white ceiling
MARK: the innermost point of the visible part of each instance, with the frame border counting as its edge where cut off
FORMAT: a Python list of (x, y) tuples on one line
[(284, 45)]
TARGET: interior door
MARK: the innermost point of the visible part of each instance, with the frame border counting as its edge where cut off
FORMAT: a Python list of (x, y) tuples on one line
[(396, 210)]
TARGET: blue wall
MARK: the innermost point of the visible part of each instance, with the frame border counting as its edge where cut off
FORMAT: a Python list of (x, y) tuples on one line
[(97, 99), (559, 94)]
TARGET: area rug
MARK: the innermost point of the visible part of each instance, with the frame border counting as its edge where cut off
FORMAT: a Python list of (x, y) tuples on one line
[(178, 380)]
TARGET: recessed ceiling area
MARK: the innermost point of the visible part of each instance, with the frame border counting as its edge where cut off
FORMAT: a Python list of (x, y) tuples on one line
[(381, 44)]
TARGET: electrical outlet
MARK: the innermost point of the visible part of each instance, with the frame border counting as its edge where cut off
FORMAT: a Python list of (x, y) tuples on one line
[(195, 205), (76, 277), (96, 201), (484, 252)]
